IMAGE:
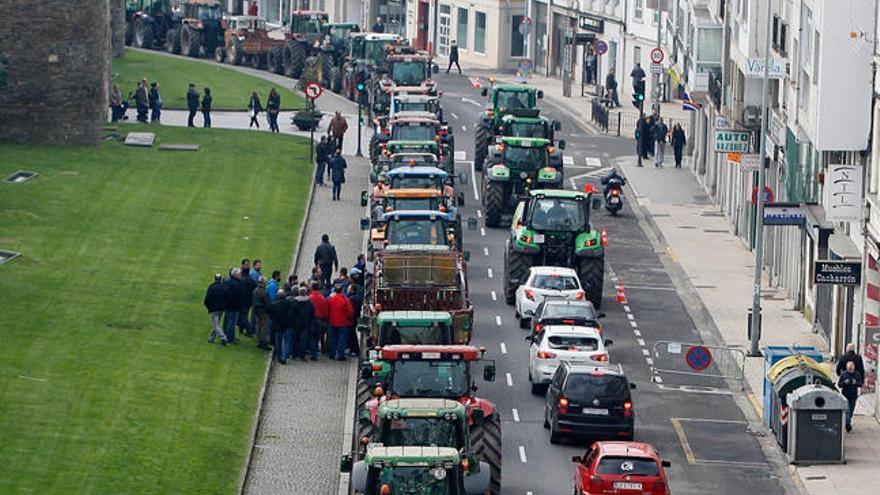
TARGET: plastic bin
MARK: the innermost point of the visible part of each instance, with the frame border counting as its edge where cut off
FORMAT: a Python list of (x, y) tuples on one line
[(772, 355), (815, 435)]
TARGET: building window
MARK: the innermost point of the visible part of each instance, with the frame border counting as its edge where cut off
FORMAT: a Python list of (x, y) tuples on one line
[(637, 55), (709, 45), (656, 16), (818, 48), (806, 37), (461, 30), (443, 30), (639, 9), (479, 32), (804, 91), (517, 45)]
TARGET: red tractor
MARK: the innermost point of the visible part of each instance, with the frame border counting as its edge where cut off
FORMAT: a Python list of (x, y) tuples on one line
[(435, 371), (201, 25), (247, 41)]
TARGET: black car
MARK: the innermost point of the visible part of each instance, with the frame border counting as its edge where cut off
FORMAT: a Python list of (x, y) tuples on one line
[(590, 401), (562, 311)]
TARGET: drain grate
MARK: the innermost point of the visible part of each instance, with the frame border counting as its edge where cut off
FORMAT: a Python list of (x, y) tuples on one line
[(21, 176), (8, 256)]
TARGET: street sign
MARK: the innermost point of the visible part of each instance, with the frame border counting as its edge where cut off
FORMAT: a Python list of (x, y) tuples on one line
[(833, 272), (749, 162), (313, 90), (592, 23), (768, 195), (843, 193), (784, 214), (755, 68), (698, 357), (734, 157), (656, 69), (656, 55), (722, 124), (727, 141), (600, 47)]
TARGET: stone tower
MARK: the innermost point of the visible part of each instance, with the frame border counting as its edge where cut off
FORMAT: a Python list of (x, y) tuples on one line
[(54, 67)]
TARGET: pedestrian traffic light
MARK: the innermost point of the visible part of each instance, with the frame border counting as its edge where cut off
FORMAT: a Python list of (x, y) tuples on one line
[(638, 93), (360, 86)]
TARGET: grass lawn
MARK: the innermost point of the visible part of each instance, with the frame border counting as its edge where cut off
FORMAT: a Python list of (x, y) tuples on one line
[(107, 382), (231, 89)]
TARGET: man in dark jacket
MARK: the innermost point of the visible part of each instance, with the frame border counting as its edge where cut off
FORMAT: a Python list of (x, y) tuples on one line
[(192, 103), (378, 26), (207, 101), (356, 296), (215, 302), (678, 143), (453, 57), (247, 292), (141, 101), (637, 74), (322, 155), (849, 383), (851, 355), (660, 132), (337, 173), (155, 103), (611, 88), (260, 303), (233, 303), (325, 258), (303, 319), (280, 312)]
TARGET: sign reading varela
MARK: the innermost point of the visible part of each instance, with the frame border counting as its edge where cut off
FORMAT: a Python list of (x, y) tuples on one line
[(732, 141), (755, 68), (837, 272)]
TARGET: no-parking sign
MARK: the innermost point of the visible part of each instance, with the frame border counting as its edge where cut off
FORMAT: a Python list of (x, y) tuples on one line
[(313, 90)]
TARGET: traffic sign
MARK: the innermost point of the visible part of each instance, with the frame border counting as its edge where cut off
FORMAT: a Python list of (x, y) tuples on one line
[(600, 47), (656, 55), (313, 90), (698, 357), (768, 195)]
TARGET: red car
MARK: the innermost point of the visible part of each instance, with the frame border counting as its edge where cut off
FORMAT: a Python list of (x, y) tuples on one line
[(620, 468)]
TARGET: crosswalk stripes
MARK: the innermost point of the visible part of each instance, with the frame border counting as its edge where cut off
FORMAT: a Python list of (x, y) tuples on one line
[(568, 160), (593, 162), (460, 156)]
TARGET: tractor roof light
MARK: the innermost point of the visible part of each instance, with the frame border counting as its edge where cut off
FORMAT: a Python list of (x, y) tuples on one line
[(551, 149)]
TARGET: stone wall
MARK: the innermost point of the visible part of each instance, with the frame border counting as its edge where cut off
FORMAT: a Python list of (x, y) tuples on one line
[(56, 59)]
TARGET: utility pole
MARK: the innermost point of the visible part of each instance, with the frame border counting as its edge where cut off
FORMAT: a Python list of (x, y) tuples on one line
[(755, 337), (655, 75)]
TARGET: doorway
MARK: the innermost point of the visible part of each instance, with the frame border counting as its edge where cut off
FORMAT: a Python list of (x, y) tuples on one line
[(421, 41)]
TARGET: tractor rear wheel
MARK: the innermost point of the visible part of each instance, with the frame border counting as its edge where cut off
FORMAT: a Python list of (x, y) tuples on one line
[(143, 34), (592, 274), (276, 59), (190, 41), (516, 267), (486, 443), (172, 41), (481, 141), (493, 203), (258, 61), (294, 58), (233, 52), (219, 54), (334, 76)]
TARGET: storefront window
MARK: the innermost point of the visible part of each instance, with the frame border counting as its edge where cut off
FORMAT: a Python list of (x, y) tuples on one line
[(443, 30), (480, 32), (461, 30)]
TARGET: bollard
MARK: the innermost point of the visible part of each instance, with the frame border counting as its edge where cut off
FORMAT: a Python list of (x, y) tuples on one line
[(621, 295), (604, 237)]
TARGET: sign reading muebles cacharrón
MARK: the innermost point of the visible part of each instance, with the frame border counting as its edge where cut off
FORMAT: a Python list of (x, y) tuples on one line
[(837, 272)]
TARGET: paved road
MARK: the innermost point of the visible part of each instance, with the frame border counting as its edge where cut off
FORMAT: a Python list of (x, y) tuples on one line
[(705, 435)]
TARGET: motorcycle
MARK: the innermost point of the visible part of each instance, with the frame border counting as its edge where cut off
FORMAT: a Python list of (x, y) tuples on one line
[(614, 197)]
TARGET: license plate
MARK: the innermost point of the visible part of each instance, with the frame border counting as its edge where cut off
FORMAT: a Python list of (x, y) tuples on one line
[(626, 485), (595, 412), (539, 238), (614, 201)]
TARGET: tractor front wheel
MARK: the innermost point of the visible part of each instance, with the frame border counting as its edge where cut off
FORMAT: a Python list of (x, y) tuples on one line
[(493, 202), (516, 267), (592, 274), (276, 60), (481, 141), (143, 34), (294, 58), (486, 443)]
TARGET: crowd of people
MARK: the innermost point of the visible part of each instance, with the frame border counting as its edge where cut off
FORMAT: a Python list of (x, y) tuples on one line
[(296, 319), (148, 103), (653, 134)]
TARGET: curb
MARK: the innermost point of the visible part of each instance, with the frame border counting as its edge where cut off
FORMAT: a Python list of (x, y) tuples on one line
[(710, 334), (246, 466)]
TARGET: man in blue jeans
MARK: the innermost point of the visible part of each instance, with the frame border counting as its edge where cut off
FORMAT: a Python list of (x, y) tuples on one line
[(280, 312), (233, 303), (341, 314), (849, 383)]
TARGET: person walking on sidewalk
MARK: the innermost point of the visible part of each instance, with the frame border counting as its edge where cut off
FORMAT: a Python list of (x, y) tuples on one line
[(851, 356), (322, 155), (260, 302), (207, 101), (254, 109), (325, 258), (611, 87), (660, 132), (356, 296), (192, 103), (453, 57), (849, 383), (273, 107), (155, 103), (215, 303), (337, 169), (336, 131), (341, 316), (637, 74), (678, 143)]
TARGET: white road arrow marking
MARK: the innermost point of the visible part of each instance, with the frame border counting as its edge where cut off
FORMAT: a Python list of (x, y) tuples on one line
[(593, 162), (460, 156), (568, 160)]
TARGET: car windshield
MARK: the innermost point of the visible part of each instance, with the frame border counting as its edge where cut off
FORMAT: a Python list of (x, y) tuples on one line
[(554, 282), (633, 466), (420, 480), (420, 431), (586, 387), (431, 379), (413, 133), (408, 73), (558, 214), (209, 12), (580, 311), (408, 204), (573, 342), (512, 100), (416, 182), (525, 130), (392, 335), (421, 231), (522, 158)]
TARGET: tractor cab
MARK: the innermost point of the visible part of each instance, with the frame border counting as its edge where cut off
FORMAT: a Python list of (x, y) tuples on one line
[(405, 102), (527, 160), (506, 99), (530, 126), (410, 74), (411, 328), (309, 23), (415, 227), (368, 48), (339, 33), (439, 371), (416, 177), (402, 422)]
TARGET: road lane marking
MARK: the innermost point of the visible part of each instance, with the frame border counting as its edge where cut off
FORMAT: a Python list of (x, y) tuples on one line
[(568, 160), (759, 408), (515, 415), (498, 320), (479, 213), (474, 182), (486, 251), (671, 254), (645, 352), (593, 162), (649, 361), (503, 348), (682, 439), (634, 324), (630, 316), (472, 102), (483, 231), (638, 333), (641, 342), (489, 272), (453, 115), (509, 380), (494, 296), (658, 379), (460, 156), (464, 128), (522, 454), (626, 308)]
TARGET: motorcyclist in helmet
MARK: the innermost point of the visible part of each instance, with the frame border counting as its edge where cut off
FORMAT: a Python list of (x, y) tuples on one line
[(612, 180)]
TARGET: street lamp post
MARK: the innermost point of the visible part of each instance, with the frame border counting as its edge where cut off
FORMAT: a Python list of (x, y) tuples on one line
[(755, 337), (360, 124)]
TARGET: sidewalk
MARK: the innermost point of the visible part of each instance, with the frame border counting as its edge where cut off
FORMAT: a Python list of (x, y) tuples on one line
[(720, 269)]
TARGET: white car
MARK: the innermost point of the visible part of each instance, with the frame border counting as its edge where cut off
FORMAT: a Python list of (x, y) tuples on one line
[(545, 281), (557, 343)]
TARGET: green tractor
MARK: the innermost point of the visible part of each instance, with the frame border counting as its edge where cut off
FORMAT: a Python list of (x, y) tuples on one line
[(429, 421), (552, 228), (416, 471), (337, 37), (503, 100), (515, 166)]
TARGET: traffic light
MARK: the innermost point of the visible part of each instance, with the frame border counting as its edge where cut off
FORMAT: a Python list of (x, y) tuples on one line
[(638, 93)]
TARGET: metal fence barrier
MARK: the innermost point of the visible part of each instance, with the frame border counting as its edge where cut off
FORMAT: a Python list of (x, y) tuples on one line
[(698, 360)]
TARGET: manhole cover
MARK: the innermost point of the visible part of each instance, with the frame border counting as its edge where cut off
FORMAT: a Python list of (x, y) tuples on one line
[(8, 256), (21, 176)]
